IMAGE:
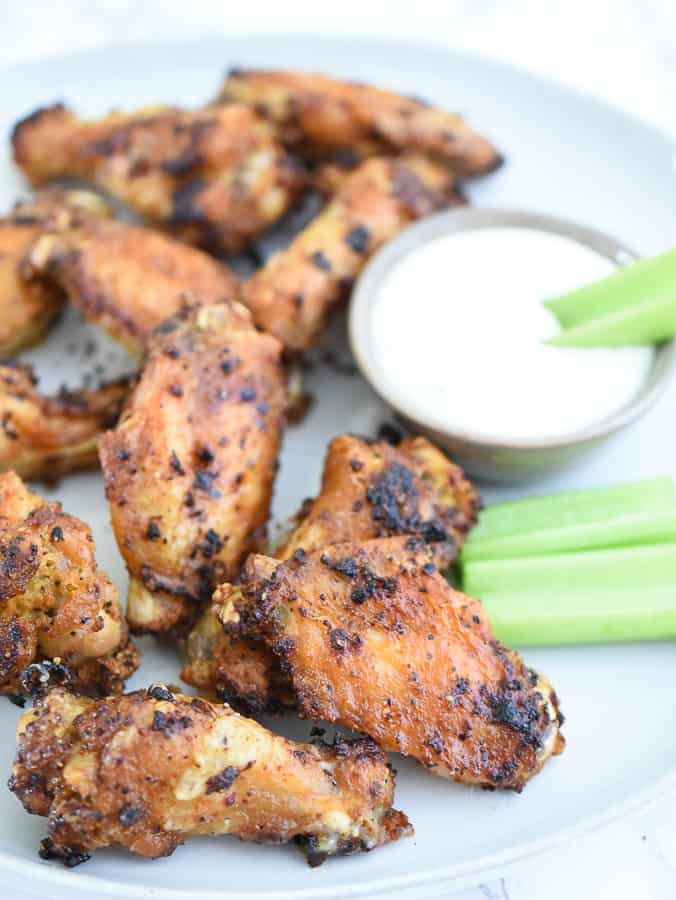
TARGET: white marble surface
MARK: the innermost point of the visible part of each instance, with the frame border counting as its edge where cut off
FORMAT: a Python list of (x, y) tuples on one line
[(622, 50)]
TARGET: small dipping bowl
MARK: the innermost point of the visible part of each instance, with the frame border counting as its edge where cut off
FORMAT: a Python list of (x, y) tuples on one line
[(481, 456)]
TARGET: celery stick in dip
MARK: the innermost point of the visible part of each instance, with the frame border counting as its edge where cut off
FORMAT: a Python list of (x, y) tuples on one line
[(459, 329)]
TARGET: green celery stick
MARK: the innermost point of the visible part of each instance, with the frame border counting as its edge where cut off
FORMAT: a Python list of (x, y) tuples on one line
[(645, 528), (570, 508), (645, 567), (645, 323), (543, 618), (647, 281)]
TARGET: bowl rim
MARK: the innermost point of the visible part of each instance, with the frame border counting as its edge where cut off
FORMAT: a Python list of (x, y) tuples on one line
[(471, 219)]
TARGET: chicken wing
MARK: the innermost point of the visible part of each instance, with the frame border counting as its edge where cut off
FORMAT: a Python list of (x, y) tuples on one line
[(189, 469), (27, 308), (369, 489), (293, 294), (322, 115), (57, 605), (148, 770), (372, 489), (215, 177), (46, 437), (128, 279), (372, 636)]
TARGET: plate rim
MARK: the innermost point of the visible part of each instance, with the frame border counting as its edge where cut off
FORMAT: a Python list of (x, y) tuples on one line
[(483, 866)]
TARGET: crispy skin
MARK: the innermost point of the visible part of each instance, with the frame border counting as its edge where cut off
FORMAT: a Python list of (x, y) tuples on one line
[(27, 308), (233, 666), (294, 293), (46, 437), (216, 177), (369, 490), (190, 467), (128, 279), (149, 769), (55, 603), (323, 115), (372, 489), (372, 636)]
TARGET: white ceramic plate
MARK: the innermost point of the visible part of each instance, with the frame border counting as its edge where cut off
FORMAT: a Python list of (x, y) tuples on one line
[(568, 155)]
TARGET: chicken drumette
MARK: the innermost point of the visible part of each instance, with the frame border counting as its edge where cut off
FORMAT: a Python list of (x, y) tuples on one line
[(321, 116), (148, 770), (372, 636), (216, 177), (58, 610), (369, 489), (27, 307), (294, 293), (128, 279), (46, 437), (190, 467)]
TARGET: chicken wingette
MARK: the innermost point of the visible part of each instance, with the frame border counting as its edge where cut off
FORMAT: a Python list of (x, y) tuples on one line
[(150, 769), (321, 116), (373, 489), (215, 177), (58, 610), (27, 307), (369, 489), (45, 437), (293, 295), (128, 279), (372, 636), (190, 467)]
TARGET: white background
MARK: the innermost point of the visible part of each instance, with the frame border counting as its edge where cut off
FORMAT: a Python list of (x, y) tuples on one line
[(622, 50)]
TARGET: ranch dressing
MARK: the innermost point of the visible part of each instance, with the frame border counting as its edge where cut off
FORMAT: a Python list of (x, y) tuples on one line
[(458, 326)]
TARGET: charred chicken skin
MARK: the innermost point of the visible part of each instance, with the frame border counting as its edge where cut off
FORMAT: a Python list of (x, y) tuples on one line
[(320, 116), (369, 489), (128, 279), (27, 307), (58, 608), (294, 293), (372, 636), (45, 437), (372, 489), (190, 467), (149, 769), (215, 177)]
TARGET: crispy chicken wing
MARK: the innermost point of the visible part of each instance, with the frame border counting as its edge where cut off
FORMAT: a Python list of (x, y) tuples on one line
[(189, 469), (322, 115), (293, 294), (46, 437), (128, 279), (148, 770), (57, 605), (373, 489), (28, 307), (215, 177), (369, 489), (372, 636)]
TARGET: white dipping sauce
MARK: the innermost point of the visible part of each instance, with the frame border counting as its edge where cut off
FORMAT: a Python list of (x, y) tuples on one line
[(458, 326)]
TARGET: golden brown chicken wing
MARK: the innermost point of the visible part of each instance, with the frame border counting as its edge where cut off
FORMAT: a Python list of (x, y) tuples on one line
[(372, 489), (57, 607), (190, 467), (148, 770), (46, 437), (322, 115), (28, 307), (293, 294), (215, 177), (128, 279), (369, 489), (372, 636)]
